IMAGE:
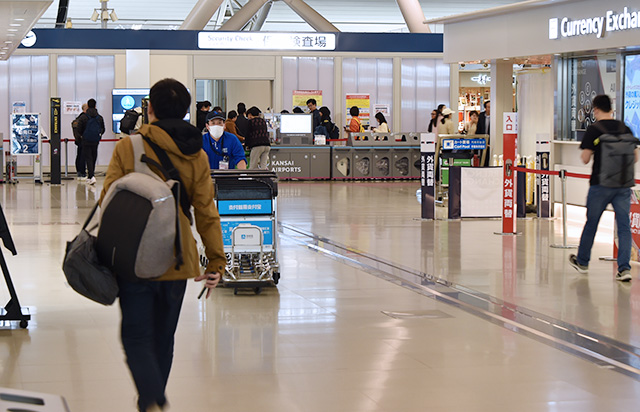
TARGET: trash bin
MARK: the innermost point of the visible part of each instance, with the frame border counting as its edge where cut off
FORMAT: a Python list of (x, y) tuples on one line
[(401, 165), (341, 163), (382, 162), (362, 162)]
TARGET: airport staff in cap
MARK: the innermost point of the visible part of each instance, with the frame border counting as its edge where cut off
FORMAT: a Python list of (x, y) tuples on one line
[(223, 148)]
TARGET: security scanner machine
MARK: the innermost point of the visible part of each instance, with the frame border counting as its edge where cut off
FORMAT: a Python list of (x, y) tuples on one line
[(246, 201)]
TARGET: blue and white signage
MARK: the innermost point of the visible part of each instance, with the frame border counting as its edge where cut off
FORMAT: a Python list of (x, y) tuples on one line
[(265, 225), (597, 26), (244, 207), (464, 144), (25, 134), (266, 41)]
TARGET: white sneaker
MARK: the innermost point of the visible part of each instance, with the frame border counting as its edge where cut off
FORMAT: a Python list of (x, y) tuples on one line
[(92, 181)]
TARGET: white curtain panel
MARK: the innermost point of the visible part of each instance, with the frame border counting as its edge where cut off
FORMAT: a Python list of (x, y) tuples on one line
[(535, 109)]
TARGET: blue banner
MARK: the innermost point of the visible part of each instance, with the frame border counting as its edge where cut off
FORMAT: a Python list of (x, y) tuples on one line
[(464, 144), (265, 225), (245, 207)]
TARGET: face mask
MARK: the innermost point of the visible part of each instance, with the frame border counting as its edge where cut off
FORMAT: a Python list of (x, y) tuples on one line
[(216, 131)]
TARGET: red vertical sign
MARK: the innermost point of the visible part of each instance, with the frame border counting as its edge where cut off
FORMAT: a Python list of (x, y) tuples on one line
[(510, 148)]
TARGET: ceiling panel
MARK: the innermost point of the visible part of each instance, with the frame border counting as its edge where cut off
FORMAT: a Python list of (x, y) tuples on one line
[(16, 20), (347, 15)]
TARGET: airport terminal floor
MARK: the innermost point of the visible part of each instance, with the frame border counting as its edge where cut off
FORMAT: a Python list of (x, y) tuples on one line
[(376, 310)]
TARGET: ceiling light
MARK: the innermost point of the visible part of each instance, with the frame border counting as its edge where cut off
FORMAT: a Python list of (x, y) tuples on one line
[(15, 25), (8, 41), (12, 29), (11, 35)]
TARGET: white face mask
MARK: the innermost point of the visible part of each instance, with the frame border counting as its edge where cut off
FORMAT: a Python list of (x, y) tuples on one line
[(216, 131)]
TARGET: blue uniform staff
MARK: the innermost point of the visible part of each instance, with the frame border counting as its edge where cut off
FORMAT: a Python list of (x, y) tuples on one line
[(223, 148)]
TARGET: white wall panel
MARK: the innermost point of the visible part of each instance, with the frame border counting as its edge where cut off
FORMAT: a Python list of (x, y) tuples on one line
[(25, 78), (307, 73), (81, 78), (425, 85), (369, 76)]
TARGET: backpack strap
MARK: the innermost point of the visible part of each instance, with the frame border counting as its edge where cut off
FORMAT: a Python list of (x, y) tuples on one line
[(173, 173)]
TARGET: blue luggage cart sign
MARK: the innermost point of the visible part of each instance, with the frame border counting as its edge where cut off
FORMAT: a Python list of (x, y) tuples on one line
[(245, 207), (265, 225), (464, 144)]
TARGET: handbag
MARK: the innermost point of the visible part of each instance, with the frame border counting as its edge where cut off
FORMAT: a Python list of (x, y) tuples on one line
[(84, 273)]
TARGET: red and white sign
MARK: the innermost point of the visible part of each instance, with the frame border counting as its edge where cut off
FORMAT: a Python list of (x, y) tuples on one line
[(509, 189)]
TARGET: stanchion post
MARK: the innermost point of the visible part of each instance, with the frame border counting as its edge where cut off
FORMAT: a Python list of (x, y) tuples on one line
[(428, 174), (563, 180), (509, 185), (66, 157)]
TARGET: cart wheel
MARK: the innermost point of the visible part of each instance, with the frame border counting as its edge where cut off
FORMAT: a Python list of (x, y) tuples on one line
[(257, 290), (276, 277), (235, 291), (24, 324)]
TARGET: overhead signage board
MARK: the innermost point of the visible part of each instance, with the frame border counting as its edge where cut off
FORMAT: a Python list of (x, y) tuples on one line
[(266, 41), (611, 21)]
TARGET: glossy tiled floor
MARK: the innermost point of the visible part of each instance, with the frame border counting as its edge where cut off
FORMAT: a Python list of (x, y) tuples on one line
[(320, 341)]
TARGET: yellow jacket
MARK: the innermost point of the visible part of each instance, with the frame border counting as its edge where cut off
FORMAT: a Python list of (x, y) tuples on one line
[(186, 154)]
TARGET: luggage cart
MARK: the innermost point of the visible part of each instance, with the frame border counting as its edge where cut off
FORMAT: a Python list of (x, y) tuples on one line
[(246, 201)]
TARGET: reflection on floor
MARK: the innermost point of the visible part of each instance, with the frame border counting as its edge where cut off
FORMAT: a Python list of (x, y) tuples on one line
[(333, 336)]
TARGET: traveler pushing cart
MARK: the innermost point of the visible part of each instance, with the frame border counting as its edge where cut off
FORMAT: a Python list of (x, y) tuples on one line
[(246, 201)]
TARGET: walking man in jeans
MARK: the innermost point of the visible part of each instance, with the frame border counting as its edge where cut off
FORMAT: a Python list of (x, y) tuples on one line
[(150, 309), (600, 196)]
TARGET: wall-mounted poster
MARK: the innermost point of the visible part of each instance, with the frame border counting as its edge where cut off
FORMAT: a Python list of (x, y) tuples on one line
[(363, 103), (632, 93), (25, 136), (300, 98)]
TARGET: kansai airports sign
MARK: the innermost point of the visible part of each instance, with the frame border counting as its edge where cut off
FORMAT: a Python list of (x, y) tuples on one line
[(598, 26)]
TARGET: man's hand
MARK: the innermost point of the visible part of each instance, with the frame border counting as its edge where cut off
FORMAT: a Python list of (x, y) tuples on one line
[(212, 280)]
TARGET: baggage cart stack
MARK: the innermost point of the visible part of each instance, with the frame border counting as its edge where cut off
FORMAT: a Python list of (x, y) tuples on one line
[(246, 201)]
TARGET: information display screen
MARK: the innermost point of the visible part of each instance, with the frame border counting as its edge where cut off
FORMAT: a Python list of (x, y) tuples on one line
[(296, 124), (126, 99), (631, 111)]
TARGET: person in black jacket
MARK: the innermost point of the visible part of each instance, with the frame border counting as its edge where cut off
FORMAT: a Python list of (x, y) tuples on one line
[(257, 140), (242, 123), (92, 128), (203, 109), (313, 109), (81, 164)]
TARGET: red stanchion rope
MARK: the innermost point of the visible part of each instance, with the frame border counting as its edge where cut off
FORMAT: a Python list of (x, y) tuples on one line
[(555, 173)]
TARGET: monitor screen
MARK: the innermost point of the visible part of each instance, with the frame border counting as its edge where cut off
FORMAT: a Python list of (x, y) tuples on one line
[(632, 93), (125, 99), (296, 124)]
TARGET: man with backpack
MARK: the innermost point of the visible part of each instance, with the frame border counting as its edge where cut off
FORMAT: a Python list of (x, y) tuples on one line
[(92, 128), (151, 308), (613, 148), (81, 164)]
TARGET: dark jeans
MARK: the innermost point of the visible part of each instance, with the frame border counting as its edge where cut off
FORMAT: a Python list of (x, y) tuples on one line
[(81, 164), (90, 153), (150, 312), (597, 200)]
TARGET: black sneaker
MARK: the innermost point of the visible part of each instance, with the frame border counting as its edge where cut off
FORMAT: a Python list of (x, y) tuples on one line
[(573, 261), (624, 276)]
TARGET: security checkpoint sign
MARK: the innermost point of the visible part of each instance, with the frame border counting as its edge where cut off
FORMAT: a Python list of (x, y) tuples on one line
[(509, 189), (428, 174)]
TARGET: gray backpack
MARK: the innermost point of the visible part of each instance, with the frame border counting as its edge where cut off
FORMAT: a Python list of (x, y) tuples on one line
[(139, 234), (617, 157)]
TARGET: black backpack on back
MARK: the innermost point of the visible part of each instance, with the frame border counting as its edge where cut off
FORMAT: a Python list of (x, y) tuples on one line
[(93, 131), (129, 121), (617, 154)]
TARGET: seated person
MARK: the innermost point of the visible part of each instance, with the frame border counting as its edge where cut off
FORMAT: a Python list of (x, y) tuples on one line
[(223, 148)]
